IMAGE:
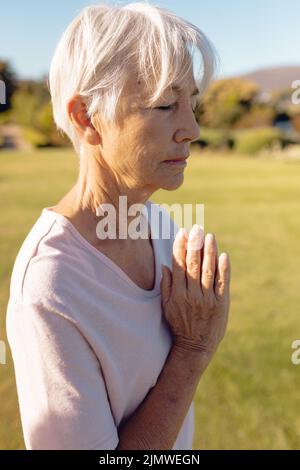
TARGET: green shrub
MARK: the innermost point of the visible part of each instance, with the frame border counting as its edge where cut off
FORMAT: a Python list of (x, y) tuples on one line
[(5, 117), (34, 137), (214, 138), (24, 108), (251, 141), (44, 123)]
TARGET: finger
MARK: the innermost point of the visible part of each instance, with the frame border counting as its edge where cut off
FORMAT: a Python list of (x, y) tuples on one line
[(178, 260), (216, 258), (193, 265), (209, 264), (222, 282)]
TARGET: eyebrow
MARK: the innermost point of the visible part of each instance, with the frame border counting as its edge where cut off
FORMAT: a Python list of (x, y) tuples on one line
[(178, 90)]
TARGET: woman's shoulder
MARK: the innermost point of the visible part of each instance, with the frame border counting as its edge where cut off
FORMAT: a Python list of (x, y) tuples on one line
[(43, 260)]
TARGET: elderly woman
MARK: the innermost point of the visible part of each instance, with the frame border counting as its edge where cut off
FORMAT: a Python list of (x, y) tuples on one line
[(108, 352)]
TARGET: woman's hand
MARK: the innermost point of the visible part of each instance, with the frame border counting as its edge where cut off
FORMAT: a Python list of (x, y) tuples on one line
[(195, 295)]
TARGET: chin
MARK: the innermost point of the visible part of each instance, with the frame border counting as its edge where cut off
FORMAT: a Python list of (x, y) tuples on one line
[(170, 184)]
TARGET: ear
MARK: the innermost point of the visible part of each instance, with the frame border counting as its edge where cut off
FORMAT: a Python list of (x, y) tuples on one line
[(78, 115)]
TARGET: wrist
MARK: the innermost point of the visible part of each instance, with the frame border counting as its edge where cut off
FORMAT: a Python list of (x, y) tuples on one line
[(190, 347), (197, 359)]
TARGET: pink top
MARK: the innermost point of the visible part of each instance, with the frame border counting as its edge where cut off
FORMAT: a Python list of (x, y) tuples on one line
[(87, 343)]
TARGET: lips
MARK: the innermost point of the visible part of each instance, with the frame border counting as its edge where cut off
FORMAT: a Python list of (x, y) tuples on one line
[(180, 162), (177, 159)]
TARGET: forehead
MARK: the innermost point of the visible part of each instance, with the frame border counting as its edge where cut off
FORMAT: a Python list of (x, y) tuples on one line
[(136, 89), (182, 80), (179, 89)]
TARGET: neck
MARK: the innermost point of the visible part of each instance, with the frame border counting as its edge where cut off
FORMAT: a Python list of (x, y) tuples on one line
[(95, 187)]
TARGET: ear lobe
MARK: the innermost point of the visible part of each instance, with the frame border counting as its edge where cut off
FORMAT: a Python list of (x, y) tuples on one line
[(92, 136)]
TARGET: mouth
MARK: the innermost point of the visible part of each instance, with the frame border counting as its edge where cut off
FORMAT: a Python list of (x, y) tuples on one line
[(177, 161)]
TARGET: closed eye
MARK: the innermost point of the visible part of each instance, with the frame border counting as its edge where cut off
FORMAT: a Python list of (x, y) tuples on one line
[(168, 108)]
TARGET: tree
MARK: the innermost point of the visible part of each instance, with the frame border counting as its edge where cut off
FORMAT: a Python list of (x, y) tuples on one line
[(226, 101)]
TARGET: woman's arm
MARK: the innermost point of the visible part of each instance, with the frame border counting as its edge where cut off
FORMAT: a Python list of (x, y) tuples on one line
[(195, 301), (157, 421), (62, 393)]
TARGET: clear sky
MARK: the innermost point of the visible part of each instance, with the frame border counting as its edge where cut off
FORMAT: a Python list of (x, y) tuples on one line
[(248, 34)]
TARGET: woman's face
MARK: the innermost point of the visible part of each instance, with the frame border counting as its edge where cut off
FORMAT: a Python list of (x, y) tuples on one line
[(137, 147)]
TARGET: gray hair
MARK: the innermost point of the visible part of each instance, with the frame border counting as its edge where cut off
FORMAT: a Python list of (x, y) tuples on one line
[(93, 53)]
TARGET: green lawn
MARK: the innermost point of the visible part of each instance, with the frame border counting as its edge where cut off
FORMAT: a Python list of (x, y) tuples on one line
[(249, 396)]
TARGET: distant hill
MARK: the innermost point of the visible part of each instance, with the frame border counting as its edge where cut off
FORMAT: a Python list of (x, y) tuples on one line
[(274, 78)]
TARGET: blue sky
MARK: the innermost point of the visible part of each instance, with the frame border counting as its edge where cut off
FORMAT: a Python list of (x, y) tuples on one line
[(247, 34)]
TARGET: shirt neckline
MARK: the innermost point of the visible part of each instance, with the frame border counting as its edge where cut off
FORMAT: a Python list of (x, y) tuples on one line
[(65, 222)]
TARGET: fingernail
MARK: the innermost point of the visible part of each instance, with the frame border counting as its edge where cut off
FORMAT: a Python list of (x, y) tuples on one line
[(181, 232), (209, 238), (196, 230), (178, 234), (196, 237)]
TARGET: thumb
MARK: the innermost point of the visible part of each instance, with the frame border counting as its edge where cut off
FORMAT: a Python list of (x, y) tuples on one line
[(165, 283)]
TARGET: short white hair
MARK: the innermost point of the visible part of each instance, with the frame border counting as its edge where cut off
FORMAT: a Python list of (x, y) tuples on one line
[(93, 53)]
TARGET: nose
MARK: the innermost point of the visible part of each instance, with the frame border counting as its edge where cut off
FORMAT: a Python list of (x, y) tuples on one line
[(188, 128)]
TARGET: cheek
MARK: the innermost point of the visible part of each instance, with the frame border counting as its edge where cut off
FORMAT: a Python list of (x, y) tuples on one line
[(144, 156), (157, 139), (141, 145), (144, 150)]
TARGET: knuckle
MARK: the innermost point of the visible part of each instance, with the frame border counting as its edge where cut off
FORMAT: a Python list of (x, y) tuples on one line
[(208, 273), (211, 304), (220, 283), (177, 297), (193, 265), (185, 297), (179, 264), (198, 300), (194, 294)]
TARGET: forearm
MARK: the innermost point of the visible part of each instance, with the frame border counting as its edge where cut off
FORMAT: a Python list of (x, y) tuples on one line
[(157, 421)]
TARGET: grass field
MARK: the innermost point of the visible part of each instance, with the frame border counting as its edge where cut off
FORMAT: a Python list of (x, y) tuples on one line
[(249, 396)]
